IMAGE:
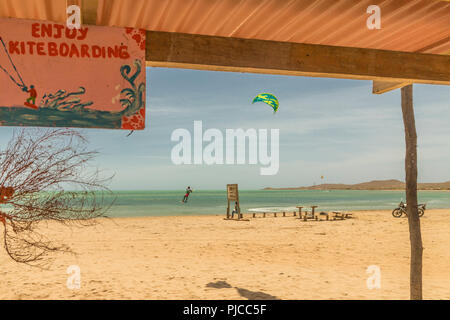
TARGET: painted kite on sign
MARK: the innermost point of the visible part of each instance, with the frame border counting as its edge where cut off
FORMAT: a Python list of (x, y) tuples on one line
[(53, 76)]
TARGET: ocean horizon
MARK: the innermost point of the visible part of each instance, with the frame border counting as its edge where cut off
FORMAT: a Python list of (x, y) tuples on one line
[(138, 203)]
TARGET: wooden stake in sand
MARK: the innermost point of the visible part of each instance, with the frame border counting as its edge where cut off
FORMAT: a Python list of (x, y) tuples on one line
[(299, 212)]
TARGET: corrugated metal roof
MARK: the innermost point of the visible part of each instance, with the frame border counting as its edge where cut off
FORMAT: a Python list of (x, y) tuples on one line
[(407, 25)]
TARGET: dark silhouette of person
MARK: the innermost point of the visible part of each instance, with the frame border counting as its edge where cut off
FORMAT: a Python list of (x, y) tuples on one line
[(235, 210)]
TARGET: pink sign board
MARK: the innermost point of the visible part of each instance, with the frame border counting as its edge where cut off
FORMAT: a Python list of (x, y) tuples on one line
[(53, 76)]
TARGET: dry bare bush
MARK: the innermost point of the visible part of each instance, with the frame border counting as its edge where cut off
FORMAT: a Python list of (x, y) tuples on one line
[(45, 176)]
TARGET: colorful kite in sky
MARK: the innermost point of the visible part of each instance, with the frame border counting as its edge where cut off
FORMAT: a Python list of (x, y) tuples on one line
[(269, 99)]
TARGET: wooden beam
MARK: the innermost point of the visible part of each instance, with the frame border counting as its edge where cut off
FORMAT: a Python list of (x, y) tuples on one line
[(177, 50), (379, 87)]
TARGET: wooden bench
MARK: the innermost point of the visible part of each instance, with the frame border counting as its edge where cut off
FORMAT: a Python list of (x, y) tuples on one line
[(325, 214), (275, 214), (338, 215), (341, 215), (309, 215)]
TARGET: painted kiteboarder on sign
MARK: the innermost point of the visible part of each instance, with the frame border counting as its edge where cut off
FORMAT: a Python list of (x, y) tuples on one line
[(21, 84), (32, 98)]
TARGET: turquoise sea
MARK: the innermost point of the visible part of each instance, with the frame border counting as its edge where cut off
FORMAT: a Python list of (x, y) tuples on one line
[(165, 203)]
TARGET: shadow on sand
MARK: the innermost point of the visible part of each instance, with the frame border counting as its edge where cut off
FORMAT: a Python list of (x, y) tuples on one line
[(250, 295)]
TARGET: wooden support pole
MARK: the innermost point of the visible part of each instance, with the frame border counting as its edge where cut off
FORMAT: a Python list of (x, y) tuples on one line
[(411, 194)]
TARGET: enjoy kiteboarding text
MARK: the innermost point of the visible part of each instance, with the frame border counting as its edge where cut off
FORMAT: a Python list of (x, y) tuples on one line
[(66, 48)]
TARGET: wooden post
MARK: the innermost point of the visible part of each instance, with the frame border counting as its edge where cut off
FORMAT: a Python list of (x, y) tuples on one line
[(299, 212), (415, 236), (313, 211)]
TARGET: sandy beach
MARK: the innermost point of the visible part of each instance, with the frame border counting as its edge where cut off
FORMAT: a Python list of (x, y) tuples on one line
[(206, 257)]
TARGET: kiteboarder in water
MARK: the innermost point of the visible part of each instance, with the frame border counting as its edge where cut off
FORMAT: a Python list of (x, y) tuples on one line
[(186, 196)]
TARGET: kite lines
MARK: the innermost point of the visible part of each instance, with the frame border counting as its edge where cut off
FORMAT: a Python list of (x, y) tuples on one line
[(21, 84)]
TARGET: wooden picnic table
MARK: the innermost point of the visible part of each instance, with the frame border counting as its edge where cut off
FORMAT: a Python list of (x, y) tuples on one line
[(306, 212), (341, 215)]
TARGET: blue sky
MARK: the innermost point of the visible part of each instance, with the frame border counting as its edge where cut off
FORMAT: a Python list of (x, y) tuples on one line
[(330, 127)]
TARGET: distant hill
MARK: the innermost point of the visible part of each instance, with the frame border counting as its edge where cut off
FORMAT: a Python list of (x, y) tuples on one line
[(372, 185)]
